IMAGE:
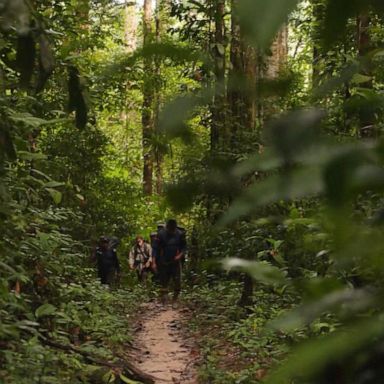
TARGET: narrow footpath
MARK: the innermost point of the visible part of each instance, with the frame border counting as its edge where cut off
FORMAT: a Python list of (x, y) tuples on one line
[(162, 349)]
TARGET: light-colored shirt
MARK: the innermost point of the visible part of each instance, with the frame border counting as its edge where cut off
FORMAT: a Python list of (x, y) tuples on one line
[(140, 256)]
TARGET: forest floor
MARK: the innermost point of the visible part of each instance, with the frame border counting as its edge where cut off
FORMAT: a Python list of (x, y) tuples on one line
[(162, 347)]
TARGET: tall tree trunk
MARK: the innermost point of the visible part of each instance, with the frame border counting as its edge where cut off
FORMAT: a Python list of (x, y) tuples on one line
[(148, 96), (130, 40), (274, 64), (251, 71), (218, 109), (317, 15), (279, 54), (236, 77), (162, 10), (130, 26), (243, 77)]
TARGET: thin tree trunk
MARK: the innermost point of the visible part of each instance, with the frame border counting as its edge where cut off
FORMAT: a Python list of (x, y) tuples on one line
[(2, 82), (148, 96), (364, 42), (246, 298)]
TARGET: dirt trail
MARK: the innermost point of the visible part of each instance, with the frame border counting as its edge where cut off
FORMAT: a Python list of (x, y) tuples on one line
[(162, 349)]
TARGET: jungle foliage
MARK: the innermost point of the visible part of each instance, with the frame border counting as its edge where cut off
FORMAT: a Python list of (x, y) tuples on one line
[(259, 123)]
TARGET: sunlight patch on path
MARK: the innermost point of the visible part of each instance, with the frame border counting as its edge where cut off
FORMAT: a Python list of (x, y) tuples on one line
[(163, 351)]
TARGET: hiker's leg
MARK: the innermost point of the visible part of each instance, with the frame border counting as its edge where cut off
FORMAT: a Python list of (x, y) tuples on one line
[(103, 274), (176, 280), (164, 275), (144, 277), (110, 276)]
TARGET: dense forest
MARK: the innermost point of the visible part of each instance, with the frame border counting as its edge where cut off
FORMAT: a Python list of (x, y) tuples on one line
[(256, 124)]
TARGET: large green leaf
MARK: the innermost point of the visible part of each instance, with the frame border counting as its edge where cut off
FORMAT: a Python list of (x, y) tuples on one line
[(294, 132), (15, 14), (298, 184), (349, 300), (259, 270), (312, 357), (174, 117), (261, 19)]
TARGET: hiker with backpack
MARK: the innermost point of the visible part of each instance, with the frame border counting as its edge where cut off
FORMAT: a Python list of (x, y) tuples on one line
[(140, 258), (171, 247), (107, 262)]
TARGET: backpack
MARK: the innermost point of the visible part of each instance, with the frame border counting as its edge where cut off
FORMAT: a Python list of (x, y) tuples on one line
[(105, 258), (162, 237)]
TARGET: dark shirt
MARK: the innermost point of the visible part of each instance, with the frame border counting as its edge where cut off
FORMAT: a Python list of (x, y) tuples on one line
[(169, 245), (107, 259)]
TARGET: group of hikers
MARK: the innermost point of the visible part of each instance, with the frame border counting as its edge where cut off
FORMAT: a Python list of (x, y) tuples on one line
[(162, 257)]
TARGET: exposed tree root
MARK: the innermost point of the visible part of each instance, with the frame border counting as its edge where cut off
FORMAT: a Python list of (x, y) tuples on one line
[(127, 368)]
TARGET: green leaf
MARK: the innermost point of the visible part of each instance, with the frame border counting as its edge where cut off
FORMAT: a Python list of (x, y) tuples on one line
[(298, 184), (56, 195), (30, 156), (109, 377), (42, 174), (261, 19), (15, 14), (335, 82), (294, 132), (174, 116), (53, 184), (28, 119), (347, 299), (360, 79), (126, 380), (259, 270), (313, 356), (45, 310)]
